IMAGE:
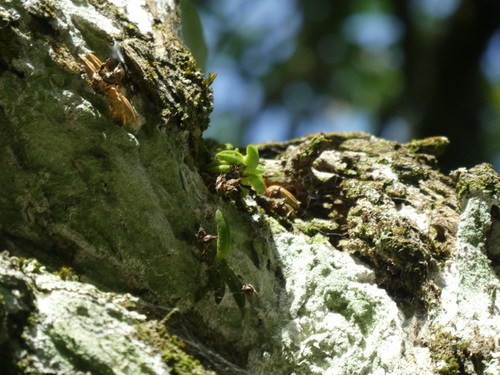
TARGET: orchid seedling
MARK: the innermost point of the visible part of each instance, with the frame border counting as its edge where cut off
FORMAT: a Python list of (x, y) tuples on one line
[(246, 166)]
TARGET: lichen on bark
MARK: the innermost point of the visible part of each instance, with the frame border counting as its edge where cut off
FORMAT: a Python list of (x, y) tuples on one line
[(391, 207), (384, 252), (63, 326)]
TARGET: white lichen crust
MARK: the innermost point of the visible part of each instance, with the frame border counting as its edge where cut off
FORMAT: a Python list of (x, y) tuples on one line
[(73, 328)]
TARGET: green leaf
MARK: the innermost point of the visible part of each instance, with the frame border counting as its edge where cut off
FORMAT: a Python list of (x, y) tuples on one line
[(231, 157), (256, 181), (223, 236), (233, 282), (210, 79), (252, 157), (258, 170), (218, 167)]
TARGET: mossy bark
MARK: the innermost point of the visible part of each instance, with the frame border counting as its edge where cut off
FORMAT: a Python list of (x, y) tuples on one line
[(119, 205), (76, 186)]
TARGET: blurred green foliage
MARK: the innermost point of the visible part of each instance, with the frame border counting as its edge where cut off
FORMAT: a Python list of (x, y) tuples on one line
[(400, 69), (192, 33)]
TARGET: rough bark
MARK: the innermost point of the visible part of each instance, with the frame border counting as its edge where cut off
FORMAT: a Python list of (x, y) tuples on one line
[(388, 267)]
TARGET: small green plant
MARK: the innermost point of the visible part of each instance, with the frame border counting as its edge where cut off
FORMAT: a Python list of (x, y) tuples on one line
[(246, 166), (219, 272), (67, 274), (223, 236)]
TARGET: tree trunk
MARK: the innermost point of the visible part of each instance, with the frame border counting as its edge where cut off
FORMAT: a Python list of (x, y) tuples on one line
[(387, 267)]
